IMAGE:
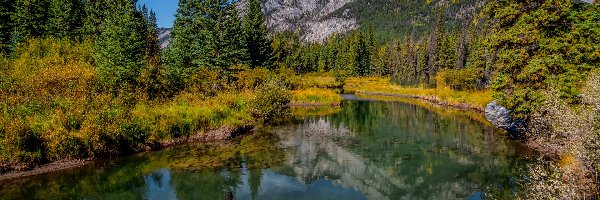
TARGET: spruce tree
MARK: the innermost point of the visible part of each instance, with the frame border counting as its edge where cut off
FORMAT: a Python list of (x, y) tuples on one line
[(6, 26), (64, 19), (29, 20), (362, 55), (120, 47), (229, 49), (255, 33), (94, 12), (206, 34), (147, 20), (548, 43)]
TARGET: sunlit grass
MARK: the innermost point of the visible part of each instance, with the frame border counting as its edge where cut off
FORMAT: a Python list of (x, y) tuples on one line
[(316, 96), (316, 81), (192, 115), (438, 109), (476, 99)]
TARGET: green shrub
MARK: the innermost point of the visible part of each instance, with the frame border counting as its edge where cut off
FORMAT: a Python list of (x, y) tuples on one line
[(246, 80), (205, 82), (271, 100), (458, 79)]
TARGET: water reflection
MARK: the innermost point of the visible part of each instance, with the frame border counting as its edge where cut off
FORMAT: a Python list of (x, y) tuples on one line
[(158, 185), (399, 151), (368, 150)]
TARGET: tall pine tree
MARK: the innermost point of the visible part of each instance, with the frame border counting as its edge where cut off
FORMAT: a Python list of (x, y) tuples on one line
[(120, 46), (94, 14), (64, 19), (207, 33), (29, 19), (255, 33), (6, 25)]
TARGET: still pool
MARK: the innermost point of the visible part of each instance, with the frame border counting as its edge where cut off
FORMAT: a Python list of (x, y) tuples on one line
[(366, 150)]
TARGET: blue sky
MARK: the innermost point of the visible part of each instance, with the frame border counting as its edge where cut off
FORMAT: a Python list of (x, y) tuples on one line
[(165, 10)]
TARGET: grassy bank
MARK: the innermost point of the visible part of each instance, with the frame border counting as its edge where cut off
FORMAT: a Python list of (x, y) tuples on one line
[(111, 128), (55, 106), (382, 87), (315, 97), (315, 90)]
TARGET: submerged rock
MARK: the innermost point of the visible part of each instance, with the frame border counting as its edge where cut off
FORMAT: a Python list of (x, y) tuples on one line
[(501, 118)]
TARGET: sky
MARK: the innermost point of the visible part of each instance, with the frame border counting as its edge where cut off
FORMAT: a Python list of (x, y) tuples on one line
[(165, 10)]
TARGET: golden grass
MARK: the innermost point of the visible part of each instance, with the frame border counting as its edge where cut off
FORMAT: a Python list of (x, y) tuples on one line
[(438, 109), (477, 99), (316, 81), (316, 96)]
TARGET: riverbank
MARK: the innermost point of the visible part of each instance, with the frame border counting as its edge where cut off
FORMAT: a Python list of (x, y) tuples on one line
[(564, 136), (314, 97), (67, 128), (382, 88), (226, 132)]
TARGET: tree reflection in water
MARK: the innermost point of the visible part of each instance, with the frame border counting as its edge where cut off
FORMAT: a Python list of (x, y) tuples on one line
[(368, 150)]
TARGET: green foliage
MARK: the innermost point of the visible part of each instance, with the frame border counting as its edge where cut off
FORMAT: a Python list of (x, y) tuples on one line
[(29, 19), (271, 100), (54, 108), (541, 47), (119, 48), (150, 30), (206, 34), (458, 79), (255, 33), (6, 24), (64, 19), (95, 12), (351, 53), (397, 19)]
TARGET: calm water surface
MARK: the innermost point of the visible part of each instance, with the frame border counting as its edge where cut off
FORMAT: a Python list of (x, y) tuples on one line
[(368, 150)]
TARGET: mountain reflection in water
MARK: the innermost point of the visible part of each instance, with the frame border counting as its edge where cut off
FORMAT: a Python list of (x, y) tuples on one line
[(368, 150)]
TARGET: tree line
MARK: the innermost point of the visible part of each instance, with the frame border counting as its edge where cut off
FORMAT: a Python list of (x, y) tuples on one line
[(207, 34), (515, 55)]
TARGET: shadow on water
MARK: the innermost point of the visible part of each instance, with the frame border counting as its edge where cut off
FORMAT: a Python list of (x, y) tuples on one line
[(366, 150)]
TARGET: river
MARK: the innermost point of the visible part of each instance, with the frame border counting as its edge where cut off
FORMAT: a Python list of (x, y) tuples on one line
[(366, 150)]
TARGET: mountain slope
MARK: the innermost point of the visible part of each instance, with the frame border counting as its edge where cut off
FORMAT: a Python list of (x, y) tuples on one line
[(316, 20), (311, 18)]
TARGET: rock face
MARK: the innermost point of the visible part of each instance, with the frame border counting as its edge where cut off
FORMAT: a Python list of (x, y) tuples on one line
[(311, 17), (501, 118), (164, 37)]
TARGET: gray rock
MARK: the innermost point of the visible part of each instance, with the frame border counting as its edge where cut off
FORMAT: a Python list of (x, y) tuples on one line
[(164, 37), (501, 118), (312, 18)]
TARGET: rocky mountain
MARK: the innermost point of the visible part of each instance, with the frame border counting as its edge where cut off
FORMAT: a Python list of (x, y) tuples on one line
[(316, 20), (312, 18)]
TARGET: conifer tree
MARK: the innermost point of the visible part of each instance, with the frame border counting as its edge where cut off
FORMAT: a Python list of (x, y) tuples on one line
[(554, 48), (64, 19), (432, 49), (120, 47), (147, 18), (6, 26), (179, 54), (29, 19), (362, 55), (94, 14), (255, 33), (206, 34)]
